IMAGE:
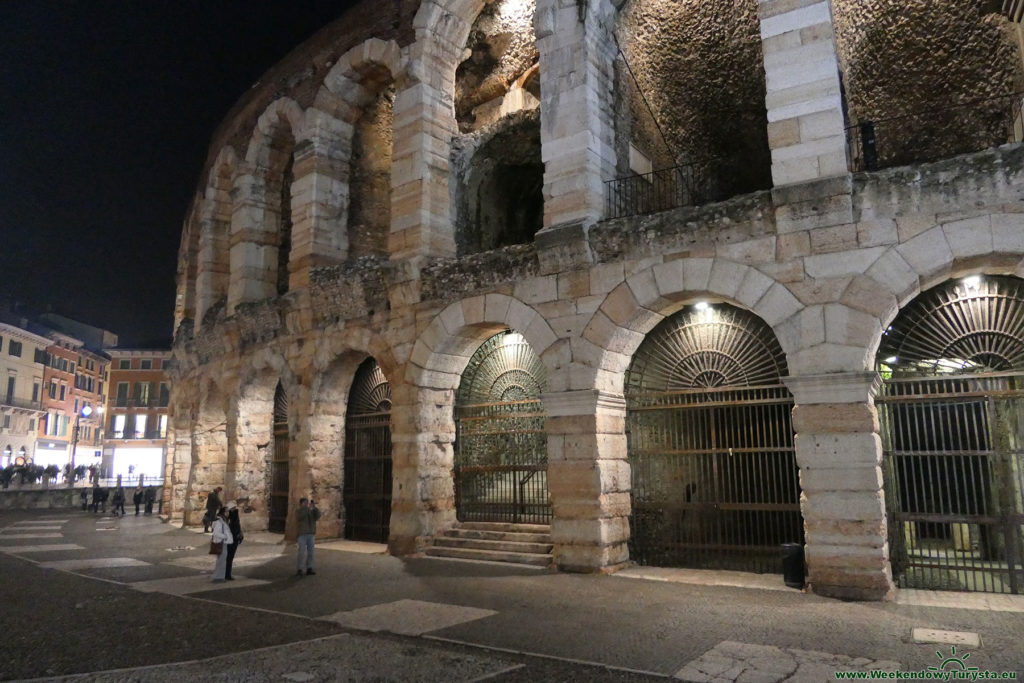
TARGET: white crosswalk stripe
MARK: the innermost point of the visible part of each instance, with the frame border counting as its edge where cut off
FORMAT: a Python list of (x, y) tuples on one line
[(94, 563)]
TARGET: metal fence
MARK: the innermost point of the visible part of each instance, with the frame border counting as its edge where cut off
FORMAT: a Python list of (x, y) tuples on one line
[(936, 133)]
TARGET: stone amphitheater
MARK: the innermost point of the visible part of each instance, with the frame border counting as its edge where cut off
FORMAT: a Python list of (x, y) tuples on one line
[(586, 283)]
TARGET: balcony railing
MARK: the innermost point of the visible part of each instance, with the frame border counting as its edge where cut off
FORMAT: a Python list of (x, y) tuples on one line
[(123, 402), (150, 435), (691, 184), (937, 133)]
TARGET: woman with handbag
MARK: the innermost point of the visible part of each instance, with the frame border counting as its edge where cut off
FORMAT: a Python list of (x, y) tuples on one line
[(236, 534), (219, 544)]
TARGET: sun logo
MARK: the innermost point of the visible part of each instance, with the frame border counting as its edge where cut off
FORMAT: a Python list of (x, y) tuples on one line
[(958, 663)]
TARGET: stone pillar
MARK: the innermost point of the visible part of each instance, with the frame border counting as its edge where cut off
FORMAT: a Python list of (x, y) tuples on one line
[(424, 124), (588, 479), (254, 241), (319, 198), (577, 57), (806, 122), (212, 271), (422, 457), (843, 502)]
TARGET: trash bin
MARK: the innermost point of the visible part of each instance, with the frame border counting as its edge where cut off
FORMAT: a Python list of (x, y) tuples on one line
[(793, 564)]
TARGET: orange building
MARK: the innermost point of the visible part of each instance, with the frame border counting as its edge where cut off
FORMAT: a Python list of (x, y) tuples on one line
[(138, 395)]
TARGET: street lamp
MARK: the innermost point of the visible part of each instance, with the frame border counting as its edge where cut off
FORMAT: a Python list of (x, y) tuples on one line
[(85, 412)]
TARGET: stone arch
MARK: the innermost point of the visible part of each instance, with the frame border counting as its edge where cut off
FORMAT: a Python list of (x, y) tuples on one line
[(215, 209), (335, 364), (250, 432), (447, 21), (636, 306), (185, 304)]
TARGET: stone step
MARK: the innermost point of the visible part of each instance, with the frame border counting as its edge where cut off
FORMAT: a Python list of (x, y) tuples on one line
[(506, 526), (531, 559), (501, 545), (482, 535)]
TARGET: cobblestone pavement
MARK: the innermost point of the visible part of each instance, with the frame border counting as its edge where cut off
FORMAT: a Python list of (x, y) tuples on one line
[(106, 599)]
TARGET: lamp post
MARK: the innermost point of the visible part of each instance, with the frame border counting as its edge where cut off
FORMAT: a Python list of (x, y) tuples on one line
[(85, 412)]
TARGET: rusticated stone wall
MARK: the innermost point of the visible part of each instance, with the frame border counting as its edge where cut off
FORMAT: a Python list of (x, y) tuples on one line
[(926, 72), (699, 66)]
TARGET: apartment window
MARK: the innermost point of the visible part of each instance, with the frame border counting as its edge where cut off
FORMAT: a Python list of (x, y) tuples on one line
[(10, 388), (71, 368), (64, 425), (163, 426), (35, 392), (41, 357), (53, 389), (122, 394), (118, 427), (31, 425), (76, 406), (63, 392), (145, 364), (140, 426), (14, 348), (124, 364), (165, 395), (157, 363), (7, 421), (100, 392), (142, 392)]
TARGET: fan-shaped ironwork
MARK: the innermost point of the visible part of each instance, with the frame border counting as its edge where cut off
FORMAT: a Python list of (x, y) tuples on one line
[(280, 407), (974, 325), (710, 444), (504, 368), (714, 347), (279, 464), (366, 490), (501, 446), (371, 392)]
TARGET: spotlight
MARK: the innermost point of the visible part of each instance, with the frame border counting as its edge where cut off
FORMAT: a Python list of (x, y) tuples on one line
[(701, 305), (972, 282), (891, 359)]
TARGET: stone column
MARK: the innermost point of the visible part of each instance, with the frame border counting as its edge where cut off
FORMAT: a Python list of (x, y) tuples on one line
[(803, 93), (577, 57), (422, 457), (212, 270), (588, 479), (319, 198), (254, 241), (843, 502)]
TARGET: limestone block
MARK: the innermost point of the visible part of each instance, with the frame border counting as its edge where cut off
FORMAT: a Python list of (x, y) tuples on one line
[(811, 292), (866, 294), (876, 233), (669, 277), (792, 245), (644, 288), (777, 305), (1008, 233), (850, 262), (846, 326), (753, 287), (835, 162), (696, 272), (824, 480), (725, 278), (838, 238), (622, 306), (589, 559), (843, 418), (584, 532), (895, 274), (969, 237), (604, 277), (783, 133), (606, 505), (928, 252), (837, 450), (473, 310), (857, 505), (537, 289), (871, 533), (758, 250)]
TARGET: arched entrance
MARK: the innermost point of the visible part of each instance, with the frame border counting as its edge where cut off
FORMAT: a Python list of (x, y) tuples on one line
[(279, 464), (367, 484), (501, 446), (951, 411), (710, 444)]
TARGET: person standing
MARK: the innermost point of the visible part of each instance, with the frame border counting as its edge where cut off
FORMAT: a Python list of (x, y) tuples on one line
[(149, 497), (306, 517), (84, 497), (213, 504), (97, 496), (236, 535), (137, 498), (222, 535), (119, 501)]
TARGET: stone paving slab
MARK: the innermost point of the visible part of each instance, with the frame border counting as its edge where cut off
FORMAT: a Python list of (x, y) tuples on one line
[(354, 547), (408, 617), (957, 600), (94, 563), (733, 662), (18, 537), (706, 577), (241, 560), (19, 529), (56, 547), (186, 585)]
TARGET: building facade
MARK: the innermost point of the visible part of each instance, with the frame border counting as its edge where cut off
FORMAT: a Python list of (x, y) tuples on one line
[(683, 281), (22, 355), (138, 395)]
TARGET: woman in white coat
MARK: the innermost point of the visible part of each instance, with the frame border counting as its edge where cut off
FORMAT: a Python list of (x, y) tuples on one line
[(221, 534)]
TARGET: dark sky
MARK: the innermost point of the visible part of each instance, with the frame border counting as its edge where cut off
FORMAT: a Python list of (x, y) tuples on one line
[(106, 111)]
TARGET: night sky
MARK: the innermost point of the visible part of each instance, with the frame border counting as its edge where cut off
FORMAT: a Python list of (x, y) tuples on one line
[(106, 112)]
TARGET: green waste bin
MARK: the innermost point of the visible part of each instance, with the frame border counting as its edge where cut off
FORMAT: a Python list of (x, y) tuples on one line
[(793, 564)]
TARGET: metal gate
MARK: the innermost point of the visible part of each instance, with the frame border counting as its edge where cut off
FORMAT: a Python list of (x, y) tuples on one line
[(952, 461), (501, 445), (279, 463), (714, 475), (367, 484)]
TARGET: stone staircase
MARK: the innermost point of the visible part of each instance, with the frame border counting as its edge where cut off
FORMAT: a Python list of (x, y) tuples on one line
[(528, 544)]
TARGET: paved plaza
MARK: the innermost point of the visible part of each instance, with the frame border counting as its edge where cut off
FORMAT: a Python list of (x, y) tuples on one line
[(136, 594)]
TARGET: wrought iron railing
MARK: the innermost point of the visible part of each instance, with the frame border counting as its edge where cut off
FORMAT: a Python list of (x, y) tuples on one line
[(936, 133), (668, 188)]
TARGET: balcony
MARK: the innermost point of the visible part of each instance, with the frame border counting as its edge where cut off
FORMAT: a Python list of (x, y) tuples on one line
[(23, 404)]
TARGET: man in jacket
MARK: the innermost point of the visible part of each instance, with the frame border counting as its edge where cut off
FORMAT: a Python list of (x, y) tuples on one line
[(306, 517), (212, 506)]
